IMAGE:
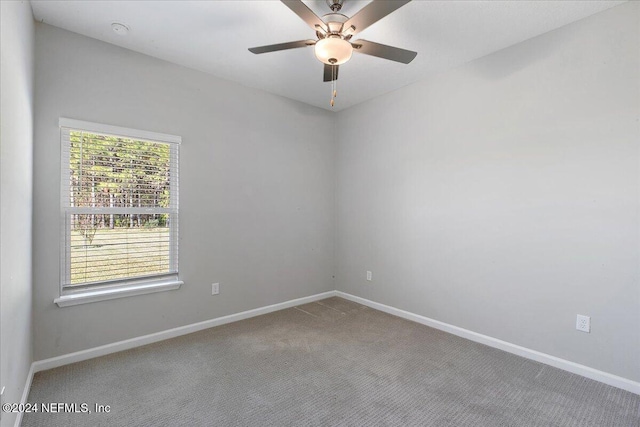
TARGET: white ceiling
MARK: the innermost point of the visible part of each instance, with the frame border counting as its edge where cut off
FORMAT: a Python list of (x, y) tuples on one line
[(213, 36)]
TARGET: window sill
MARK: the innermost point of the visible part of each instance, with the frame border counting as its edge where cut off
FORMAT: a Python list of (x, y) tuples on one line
[(113, 293)]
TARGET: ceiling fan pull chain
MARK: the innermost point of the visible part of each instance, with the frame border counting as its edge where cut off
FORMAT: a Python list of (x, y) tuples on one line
[(334, 84), (333, 96)]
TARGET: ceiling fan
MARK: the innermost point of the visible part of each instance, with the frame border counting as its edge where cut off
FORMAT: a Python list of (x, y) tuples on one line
[(334, 31)]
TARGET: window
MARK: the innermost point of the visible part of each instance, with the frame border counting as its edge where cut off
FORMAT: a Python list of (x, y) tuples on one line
[(119, 199)]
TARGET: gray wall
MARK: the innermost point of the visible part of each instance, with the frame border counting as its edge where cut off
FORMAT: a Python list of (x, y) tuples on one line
[(502, 197), (16, 160), (256, 191)]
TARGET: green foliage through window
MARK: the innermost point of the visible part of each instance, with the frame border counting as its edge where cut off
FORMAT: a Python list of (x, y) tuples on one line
[(119, 200)]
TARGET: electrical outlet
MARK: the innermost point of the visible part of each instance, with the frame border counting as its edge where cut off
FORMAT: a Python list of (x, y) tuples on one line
[(369, 276), (583, 323), (215, 288)]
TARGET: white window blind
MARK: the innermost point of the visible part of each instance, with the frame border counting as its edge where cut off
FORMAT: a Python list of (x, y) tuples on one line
[(120, 205)]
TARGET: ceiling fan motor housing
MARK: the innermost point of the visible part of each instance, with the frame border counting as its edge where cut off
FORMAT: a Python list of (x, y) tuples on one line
[(334, 24), (335, 21)]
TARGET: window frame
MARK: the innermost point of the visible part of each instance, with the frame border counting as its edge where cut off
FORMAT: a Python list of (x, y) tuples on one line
[(118, 288)]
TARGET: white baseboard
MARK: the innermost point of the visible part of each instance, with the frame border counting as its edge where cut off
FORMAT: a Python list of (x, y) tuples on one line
[(25, 395), (54, 362), (585, 371)]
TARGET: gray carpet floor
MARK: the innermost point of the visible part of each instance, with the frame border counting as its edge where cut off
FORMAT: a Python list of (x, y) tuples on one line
[(329, 363)]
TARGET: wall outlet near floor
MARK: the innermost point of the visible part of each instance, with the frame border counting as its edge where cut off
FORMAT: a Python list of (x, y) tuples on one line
[(583, 323), (369, 275), (215, 288)]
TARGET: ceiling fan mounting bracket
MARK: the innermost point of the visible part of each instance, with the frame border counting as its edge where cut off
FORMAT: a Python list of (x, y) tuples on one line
[(335, 5)]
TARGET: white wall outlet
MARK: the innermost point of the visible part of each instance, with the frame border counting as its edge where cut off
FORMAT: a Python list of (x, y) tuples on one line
[(583, 323), (369, 275), (215, 288)]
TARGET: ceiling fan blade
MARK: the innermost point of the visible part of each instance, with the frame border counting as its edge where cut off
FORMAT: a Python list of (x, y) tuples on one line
[(305, 13), (384, 51), (330, 73), (282, 46), (372, 13)]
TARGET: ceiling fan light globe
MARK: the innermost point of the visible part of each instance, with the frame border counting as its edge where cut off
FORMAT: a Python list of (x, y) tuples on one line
[(333, 51)]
